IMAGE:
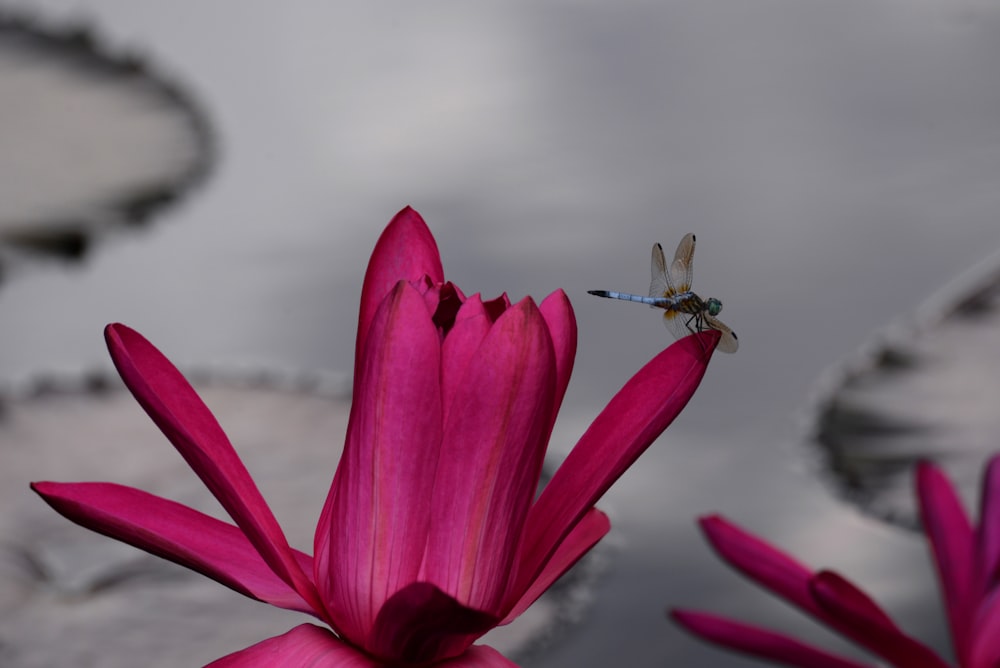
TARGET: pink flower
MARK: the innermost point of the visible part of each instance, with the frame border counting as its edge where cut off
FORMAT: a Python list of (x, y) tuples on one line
[(968, 565), (431, 534)]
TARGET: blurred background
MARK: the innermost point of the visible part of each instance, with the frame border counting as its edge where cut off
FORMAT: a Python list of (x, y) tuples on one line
[(838, 162)]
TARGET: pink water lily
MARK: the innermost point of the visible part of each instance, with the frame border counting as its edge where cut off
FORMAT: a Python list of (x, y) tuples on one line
[(968, 566), (431, 533)]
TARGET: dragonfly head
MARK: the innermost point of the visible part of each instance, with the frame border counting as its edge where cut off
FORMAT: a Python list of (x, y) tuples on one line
[(714, 306)]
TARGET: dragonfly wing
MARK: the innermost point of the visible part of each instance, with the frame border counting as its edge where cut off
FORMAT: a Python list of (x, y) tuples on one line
[(677, 323), (728, 343), (659, 286), (682, 267)]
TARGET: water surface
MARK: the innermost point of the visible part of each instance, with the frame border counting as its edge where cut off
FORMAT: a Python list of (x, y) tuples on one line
[(837, 160)]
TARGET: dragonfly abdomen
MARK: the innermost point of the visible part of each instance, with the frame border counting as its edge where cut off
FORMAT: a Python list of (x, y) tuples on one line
[(662, 302), (682, 302)]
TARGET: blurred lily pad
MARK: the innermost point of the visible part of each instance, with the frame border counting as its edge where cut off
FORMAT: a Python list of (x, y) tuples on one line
[(90, 140), (927, 389), (69, 597)]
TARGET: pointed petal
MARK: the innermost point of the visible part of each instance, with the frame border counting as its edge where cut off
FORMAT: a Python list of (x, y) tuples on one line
[(176, 533), (491, 459), (380, 505), (759, 642), (826, 596), (470, 327), (558, 314), (984, 649), (406, 251), (855, 615), (305, 646), (760, 561), (989, 526), (834, 590), (952, 542), (479, 656), (185, 420), (592, 528), (632, 420), (496, 306), (421, 624)]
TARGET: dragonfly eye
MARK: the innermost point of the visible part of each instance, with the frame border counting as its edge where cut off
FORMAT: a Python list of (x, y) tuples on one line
[(714, 306)]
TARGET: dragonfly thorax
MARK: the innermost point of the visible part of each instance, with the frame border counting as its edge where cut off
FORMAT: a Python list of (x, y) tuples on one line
[(684, 302)]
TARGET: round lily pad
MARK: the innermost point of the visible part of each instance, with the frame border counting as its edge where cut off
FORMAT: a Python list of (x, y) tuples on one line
[(93, 140), (927, 389)]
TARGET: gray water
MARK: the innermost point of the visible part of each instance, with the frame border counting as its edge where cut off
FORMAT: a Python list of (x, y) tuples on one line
[(838, 161)]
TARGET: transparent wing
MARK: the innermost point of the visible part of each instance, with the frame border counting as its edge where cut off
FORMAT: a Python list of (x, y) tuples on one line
[(659, 286), (683, 265), (728, 343), (677, 323)]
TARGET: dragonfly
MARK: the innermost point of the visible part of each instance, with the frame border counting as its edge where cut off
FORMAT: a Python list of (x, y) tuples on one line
[(670, 289)]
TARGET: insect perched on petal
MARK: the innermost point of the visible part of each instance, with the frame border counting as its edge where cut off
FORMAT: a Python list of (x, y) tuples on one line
[(433, 531), (670, 289)]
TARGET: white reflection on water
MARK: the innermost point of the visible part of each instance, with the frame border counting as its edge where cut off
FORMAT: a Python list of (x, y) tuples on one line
[(837, 160)]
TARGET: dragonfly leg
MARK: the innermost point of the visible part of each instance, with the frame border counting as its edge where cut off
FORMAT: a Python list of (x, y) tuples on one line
[(698, 322), (699, 325)]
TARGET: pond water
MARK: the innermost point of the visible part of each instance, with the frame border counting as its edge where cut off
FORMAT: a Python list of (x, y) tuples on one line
[(838, 161)]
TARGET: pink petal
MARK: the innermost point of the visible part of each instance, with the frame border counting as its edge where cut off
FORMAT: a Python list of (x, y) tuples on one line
[(585, 534), (761, 562), (406, 251), (634, 418), (479, 656), (470, 327), (420, 625), (491, 459), (185, 420), (984, 645), (496, 306), (853, 613), (759, 642), (827, 596), (558, 314), (989, 526), (305, 646), (951, 539), (839, 592), (174, 532), (379, 508)]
